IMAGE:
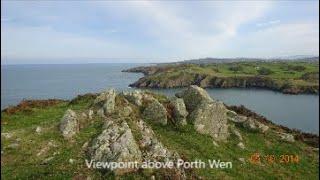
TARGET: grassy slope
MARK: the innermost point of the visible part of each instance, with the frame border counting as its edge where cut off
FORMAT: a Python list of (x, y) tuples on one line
[(23, 163), (281, 71)]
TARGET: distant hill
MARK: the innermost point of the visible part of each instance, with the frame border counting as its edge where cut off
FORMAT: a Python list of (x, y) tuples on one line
[(209, 60)]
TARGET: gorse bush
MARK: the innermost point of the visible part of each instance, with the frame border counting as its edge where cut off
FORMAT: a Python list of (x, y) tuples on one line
[(264, 71)]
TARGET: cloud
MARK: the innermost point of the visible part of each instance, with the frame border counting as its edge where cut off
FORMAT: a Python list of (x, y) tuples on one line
[(168, 30), (45, 42), (269, 23), (170, 25), (280, 40)]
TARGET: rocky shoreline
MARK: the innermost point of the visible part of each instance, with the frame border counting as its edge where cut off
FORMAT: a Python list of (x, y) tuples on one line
[(154, 79)]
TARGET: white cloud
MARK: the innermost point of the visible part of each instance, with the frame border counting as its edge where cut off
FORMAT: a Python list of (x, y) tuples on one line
[(36, 42), (280, 40), (269, 23), (167, 29)]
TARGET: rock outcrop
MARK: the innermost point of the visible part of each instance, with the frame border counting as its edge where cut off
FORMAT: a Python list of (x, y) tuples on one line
[(247, 122), (154, 150), (208, 116), (69, 124), (193, 96), (156, 112), (115, 144), (180, 112), (134, 97), (106, 101)]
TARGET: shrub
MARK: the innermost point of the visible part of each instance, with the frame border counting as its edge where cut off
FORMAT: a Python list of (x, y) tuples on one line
[(235, 68), (264, 71)]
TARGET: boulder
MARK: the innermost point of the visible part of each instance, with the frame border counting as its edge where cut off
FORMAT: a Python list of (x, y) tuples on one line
[(179, 111), (115, 144), (286, 137), (210, 118), (241, 145), (154, 150), (247, 122), (193, 96), (134, 97), (38, 129), (107, 101), (237, 133), (125, 111), (69, 124), (156, 112), (137, 97), (90, 114), (254, 125)]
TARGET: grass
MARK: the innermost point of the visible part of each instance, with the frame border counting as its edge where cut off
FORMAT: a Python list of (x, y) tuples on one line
[(282, 74), (24, 163)]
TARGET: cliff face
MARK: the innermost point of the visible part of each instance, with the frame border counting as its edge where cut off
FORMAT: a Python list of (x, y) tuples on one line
[(226, 82)]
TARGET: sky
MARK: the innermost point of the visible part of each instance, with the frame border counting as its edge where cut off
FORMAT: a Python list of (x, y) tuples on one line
[(53, 32)]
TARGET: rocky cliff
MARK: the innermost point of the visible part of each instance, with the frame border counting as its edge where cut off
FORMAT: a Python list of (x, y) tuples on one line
[(186, 75)]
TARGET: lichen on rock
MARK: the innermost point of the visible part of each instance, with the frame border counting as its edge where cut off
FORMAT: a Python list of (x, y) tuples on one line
[(106, 101), (193, 96), (156, 112), (69, 125), (115, 144), (207, 115), (179, 111)]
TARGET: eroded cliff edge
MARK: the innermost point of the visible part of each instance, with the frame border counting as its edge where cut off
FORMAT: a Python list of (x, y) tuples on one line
[(289, 78)]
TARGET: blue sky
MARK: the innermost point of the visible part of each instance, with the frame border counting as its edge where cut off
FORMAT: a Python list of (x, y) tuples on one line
[(155, 31)]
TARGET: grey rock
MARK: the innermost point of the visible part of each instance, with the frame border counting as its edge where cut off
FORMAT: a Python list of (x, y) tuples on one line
[(90, 114), (154, 150), (210, 118), (71, 161), (250, 124), (237, 118), (125, 111), (156, 112), (115, 144), (179, 111), (7, 135), (13, 145), (107, 101), (237, 133), (241, 145), (254, 125), (242, 160), (263, 128), (38, 129), (215, 144), (69, 124), (100, 113), (47, 160), (193, 96), (286, 137), (134, 97)]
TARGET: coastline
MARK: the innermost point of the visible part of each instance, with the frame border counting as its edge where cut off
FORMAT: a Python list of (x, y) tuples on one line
[(179, 76)]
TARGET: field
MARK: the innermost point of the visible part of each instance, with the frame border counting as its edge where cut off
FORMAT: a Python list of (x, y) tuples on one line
[(287, 77)]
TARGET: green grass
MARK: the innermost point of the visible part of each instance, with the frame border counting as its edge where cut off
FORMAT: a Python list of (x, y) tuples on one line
[(280, 72), (24, 163)]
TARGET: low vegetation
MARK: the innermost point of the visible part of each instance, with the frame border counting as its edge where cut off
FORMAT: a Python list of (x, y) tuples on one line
[(30, 153), (287, 77)]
